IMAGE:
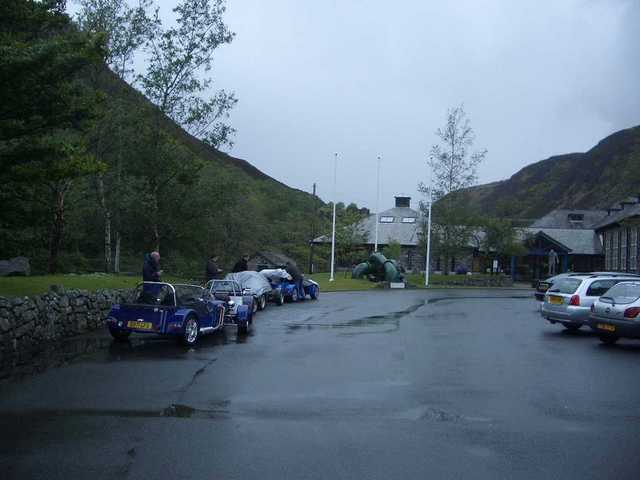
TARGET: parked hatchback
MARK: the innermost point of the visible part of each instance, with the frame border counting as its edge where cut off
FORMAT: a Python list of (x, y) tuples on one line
[(542, 286), (616, 314), (569, 300)]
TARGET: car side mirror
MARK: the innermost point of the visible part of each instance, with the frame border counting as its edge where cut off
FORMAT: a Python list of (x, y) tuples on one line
[(246, 291)]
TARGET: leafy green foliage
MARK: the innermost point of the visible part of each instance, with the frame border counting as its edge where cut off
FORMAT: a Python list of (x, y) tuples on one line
[(45, 106), (501, 239), (454, 168), (392, 250), (77, 136)]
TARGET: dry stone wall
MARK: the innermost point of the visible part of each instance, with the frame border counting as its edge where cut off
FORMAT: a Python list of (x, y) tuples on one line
[(31, 325)]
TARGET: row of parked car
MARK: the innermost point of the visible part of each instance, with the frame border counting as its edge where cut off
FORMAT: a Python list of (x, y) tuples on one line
[(609, 303), (190, 311)]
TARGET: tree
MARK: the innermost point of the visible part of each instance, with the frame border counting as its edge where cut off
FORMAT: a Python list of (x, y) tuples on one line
[(501, 240), (453, 167), (177, 57), (349, 235), (45, 107), (393, 250), (125, 29)]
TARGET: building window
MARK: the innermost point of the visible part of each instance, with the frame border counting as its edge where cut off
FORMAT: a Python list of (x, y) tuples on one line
[(607, 253), (623, 249), (615, 250), (387, 219), (633, 249), (408, 219)]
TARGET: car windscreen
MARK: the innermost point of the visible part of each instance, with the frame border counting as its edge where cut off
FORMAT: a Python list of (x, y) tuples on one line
[(186, 294), (566, 285), (622, 293), (153, 294)]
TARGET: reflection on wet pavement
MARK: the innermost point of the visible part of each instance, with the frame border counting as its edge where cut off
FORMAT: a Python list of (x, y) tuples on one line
[(100, 347)]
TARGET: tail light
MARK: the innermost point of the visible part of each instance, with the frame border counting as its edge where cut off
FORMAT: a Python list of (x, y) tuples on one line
[(575, 300), (632, 312)]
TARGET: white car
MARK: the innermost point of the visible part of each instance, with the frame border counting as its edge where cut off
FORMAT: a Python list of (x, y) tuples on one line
[(569, 300)]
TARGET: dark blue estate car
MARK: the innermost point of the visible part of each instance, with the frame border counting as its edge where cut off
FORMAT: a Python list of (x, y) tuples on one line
[(183, 311)]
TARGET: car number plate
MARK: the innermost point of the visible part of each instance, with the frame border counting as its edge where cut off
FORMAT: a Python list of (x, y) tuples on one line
[(139, 325), (607, 327), (556, 300)]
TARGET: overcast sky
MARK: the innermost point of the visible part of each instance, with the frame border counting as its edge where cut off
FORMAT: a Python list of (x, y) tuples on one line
[(372, 77)]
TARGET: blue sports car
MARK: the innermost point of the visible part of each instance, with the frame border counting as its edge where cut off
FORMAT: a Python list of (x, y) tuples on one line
[(182, 311), (290, 292)]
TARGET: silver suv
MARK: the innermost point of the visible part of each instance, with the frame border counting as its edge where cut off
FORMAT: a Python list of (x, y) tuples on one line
[(569, 300)]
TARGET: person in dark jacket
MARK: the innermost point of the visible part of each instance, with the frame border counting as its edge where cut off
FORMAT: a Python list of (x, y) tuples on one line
[(151, 267), (241, 265), (211, 270), (297, 277)]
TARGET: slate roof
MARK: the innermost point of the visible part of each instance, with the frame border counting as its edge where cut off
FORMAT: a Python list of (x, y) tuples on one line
[(618, 216), (560, 219), (578, 241), (404, 233)]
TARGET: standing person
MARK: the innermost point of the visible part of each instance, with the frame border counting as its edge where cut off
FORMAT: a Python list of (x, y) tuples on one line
[(241, 265), (211, 270), (297, 277), (151, 267), (553, 261)]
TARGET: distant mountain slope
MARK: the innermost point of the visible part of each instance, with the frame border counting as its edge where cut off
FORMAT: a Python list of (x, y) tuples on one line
[(607, 173)]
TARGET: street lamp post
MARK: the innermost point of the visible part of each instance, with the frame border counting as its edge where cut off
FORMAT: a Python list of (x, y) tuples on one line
[(428, 260), (333, 233), (375, 248)]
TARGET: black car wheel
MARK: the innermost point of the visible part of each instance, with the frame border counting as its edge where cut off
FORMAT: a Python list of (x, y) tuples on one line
[(279, 298), (254, 306), (315, 292), (294, 295), (119, 335), (262, 302), (243, 328), (191, 331), (609, 339), (572, 328)]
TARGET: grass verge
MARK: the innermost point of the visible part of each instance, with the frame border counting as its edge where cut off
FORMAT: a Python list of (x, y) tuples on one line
[(37, 285), (341, 282)]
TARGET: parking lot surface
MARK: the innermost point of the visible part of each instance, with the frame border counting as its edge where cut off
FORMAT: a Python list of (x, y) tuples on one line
[(369, 385)]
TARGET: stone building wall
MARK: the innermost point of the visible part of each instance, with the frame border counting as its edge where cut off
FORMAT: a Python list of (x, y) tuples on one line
[(30, 325)]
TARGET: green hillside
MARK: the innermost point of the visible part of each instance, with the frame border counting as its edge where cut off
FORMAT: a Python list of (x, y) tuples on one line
[(607, 173), (89, 146)]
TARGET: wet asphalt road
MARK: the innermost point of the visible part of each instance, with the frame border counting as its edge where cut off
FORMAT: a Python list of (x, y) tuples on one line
[(384, 385)]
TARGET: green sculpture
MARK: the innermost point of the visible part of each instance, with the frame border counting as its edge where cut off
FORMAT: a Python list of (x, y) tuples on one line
[(378, 269)]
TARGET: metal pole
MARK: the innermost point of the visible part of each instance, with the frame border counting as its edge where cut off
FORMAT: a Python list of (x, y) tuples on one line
[(333, 234), (428, 260), (313, 229), (375, 248)]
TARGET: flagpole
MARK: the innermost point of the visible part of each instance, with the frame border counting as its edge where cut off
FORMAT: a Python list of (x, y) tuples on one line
[(333, 234), (428, 259), (375, 248)]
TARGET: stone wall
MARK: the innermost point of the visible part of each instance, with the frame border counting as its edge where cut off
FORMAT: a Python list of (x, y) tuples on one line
[(31, 325)]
